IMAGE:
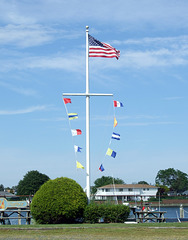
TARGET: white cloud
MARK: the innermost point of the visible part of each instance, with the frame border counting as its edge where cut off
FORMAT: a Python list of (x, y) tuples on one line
[(135, 53), (156, 41), (70, 62), (18, 89), (26, 110), (124, 13), (148, 123), (25, 35), (59, 119)]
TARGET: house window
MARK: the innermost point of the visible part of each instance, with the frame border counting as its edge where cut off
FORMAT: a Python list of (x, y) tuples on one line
[(130, 190), (107, 190), (120, 189)]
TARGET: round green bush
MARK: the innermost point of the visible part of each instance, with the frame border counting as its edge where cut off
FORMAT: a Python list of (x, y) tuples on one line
[(61, 200)]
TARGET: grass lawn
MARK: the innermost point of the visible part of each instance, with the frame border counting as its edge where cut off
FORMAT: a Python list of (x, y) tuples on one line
[(146, 231)]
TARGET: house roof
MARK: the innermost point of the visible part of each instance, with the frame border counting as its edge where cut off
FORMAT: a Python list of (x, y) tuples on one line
[(128, 186), (6, 194), (185, 192)]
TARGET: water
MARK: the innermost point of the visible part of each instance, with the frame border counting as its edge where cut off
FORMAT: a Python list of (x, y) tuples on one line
[(15, 221), (172, 213)]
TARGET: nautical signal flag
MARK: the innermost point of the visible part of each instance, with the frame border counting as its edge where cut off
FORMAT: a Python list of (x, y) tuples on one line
[(79, 165), (111, 153), (100, 49), (115, 136), (77, 149), (118, 104), (76, 132), (101, 168), (72, 116), (67, 100), (115, 122)]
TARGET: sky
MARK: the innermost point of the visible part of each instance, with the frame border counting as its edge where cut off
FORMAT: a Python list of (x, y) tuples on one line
[(43, 54)]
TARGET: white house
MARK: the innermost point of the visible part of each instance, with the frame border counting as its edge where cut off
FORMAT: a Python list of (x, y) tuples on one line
[(126, 192)]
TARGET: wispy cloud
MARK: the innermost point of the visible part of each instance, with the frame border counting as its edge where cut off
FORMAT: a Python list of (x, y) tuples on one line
[(25, 36), (143, 120), (154, 52), (157, 13), (148, 123), (26, 110), (155, 42), (30, 35), (72, 63), (52, 119), (20, 90)]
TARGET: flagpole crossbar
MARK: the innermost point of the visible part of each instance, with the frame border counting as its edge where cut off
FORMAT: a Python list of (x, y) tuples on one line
[(87, 94)]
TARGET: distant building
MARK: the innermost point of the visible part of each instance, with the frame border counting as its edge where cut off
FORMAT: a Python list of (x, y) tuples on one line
[(185, 192), (172, 193), (126, 192), (7, 194)]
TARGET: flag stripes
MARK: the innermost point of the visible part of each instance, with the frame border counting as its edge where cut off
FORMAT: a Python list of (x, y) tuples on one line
[(100, 49)]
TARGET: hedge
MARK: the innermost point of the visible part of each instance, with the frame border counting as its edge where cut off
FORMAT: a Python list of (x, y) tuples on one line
[(108, 212)]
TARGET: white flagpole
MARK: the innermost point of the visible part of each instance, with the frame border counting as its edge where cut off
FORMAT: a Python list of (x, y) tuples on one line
[(87, 120), (87, 95)]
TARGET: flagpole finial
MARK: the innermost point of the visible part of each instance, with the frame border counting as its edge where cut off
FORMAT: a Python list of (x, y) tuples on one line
[(87, 28)]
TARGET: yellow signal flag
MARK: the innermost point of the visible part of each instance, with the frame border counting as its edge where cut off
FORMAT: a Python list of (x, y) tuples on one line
[(115, 122), (79, 165), (73, 116)]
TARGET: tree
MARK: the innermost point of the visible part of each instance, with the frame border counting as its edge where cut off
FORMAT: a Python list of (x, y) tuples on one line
[(143, 182), (1, 187), (31, 183), (61, 200), (173, 179), (99, 182), (163, 190)]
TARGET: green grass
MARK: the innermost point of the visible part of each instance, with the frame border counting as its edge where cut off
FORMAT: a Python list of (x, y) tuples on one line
[(146, 231)]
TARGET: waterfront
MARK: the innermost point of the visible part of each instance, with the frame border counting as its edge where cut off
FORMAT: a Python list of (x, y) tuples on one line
[(172, 213)]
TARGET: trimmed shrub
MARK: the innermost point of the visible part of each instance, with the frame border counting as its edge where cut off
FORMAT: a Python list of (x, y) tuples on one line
[(108, 212), (61, 200)]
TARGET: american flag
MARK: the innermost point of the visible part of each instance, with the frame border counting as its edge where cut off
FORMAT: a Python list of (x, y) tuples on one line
[(100, 49)]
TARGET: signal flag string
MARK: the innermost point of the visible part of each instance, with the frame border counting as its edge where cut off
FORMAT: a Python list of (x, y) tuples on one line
[(115, 136), (74, 132)]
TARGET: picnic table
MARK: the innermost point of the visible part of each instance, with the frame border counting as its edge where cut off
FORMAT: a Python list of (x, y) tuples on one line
[(150, 216)]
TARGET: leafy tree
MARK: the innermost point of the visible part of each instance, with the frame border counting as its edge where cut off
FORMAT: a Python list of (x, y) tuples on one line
[(143, 182), (31, 183), (99, 182), (61, 200), (1, 187), (163, 190), (173, 179)]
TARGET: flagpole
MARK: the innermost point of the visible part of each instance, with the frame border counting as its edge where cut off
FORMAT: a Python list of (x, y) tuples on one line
[(87, 119), (87, 94)]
